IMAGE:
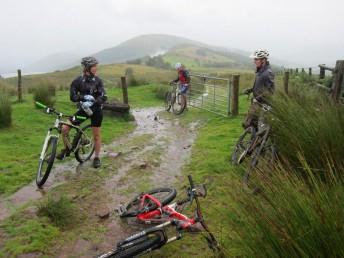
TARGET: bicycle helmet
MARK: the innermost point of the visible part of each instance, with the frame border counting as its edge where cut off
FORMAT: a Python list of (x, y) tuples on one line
[(88, 62), (178, 66), (260, 53)]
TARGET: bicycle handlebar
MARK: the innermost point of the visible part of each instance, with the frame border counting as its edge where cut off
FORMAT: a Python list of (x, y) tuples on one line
[(52, 110), (39, 104)]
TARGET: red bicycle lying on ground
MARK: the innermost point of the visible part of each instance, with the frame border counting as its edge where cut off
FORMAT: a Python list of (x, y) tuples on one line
[(153, 207)]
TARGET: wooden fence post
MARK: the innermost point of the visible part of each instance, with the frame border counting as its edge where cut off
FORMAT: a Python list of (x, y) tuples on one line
[(310, 71), (235, 94), (20, 97), (125, 90), (291, 71), (286, 82), (296, 70), (322, 73), (229, 100), (303, 70), (337, 80)]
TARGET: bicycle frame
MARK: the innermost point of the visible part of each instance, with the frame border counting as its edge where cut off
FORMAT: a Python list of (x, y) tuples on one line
[(168, 211)]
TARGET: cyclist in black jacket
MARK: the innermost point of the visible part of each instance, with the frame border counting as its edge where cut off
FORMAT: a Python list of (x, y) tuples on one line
[(88, 90), (263, 87)]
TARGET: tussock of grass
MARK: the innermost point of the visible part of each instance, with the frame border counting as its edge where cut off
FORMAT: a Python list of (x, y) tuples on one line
[(60, 211), (5, 111), (290, 218), (160, 91), (307, 125), (44, 93)]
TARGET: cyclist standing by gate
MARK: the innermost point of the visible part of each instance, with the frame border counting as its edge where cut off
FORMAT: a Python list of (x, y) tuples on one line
[(184, 81), (263, 86), (88, 90)]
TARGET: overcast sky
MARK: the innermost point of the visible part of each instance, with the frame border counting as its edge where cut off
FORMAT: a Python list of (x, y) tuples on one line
[(307, 32)]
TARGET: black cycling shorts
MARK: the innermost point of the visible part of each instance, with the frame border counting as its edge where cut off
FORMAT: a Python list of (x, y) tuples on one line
[(96, 117)]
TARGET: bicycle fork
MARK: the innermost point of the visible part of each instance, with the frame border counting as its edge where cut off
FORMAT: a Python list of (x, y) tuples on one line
[(45, 144)]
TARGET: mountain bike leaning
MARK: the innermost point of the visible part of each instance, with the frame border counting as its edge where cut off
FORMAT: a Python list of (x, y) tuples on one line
[(255, 142), (153, 207), (82, 143)]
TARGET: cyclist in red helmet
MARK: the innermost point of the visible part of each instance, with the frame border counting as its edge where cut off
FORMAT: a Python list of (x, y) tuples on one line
[(184, 81)]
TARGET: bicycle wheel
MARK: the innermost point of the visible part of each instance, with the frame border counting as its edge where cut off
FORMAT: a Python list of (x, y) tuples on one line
[(139, 246), (168, 98), (178, 105), (164, 195), (242, 146), (45, 164), (85, 144)]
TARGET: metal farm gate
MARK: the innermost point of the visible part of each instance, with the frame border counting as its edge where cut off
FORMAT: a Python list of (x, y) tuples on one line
[(212, 94)]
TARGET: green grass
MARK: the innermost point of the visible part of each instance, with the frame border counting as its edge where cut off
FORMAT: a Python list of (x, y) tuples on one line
[(27, 236)]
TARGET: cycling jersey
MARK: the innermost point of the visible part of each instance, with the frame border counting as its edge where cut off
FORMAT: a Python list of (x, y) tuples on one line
[(88, 85)]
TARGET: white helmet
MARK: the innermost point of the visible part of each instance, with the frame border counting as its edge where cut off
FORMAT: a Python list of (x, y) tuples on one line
[(178, 66), (260, 53)]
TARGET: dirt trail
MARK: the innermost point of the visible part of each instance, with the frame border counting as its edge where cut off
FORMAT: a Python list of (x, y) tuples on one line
[(155, 161), (152, 155)]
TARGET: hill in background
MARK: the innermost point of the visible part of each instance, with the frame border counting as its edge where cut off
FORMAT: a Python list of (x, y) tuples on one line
[(171, 48)]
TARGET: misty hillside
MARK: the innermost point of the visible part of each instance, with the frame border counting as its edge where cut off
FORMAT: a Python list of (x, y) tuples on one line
[(172, 48), (175, 49), (145, 45), (201, 56)]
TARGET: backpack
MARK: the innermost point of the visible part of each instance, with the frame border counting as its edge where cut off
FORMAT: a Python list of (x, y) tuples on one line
[(187, 76)]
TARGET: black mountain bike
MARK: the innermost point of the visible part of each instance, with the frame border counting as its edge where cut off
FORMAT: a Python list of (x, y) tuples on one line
[(173, 99), (82, 143), (255, 143)]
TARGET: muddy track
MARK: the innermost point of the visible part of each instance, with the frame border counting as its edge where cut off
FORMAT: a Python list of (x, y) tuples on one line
[(152, 155)]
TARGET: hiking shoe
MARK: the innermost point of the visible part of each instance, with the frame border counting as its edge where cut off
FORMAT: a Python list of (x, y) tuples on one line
[(63, 153), (96, 162)]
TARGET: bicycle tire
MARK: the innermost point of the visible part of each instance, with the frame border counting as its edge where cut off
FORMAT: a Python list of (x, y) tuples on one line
[(240, 150), (178, 102), (168, 98), (41, 179), (132, 209), (79, 157), (137, 247)]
